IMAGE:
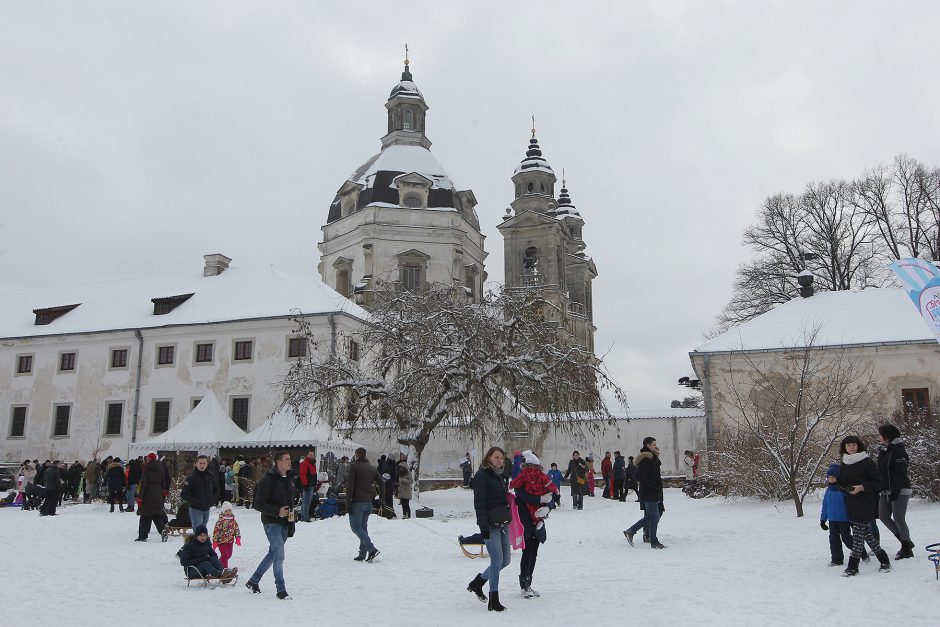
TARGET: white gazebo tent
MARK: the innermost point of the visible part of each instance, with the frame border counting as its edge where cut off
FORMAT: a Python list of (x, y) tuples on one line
[(284, 430), (202, 430)]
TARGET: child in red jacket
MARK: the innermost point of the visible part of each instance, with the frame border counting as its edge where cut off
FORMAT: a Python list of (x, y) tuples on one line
[(535, 482)]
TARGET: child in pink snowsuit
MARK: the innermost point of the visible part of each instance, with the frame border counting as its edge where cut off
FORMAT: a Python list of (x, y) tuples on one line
[(535, 482), (226, 533)]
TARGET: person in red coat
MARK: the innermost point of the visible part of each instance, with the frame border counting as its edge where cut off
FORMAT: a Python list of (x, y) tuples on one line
[(607, 470), (308, 481)]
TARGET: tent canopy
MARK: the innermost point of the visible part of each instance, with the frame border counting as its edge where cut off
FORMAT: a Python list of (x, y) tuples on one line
[(284, 430), (202, 429)]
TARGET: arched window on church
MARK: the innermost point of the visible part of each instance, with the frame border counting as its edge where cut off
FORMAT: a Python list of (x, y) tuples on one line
[(343, 284), (409, 120), (529, 188), (412, 201), (530, 267), (542, 187)]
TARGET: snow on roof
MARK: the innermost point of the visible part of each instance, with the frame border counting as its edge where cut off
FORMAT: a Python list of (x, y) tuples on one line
[(635, 414), (236, 294), (404, 159), (208, 423), (871, 316), (284, 429)]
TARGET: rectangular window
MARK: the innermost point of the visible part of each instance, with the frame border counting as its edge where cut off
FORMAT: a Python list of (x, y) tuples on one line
[(243, 350), (113, 418), (240, 411), (353, 350), (296, 347), (411, 277), (165, 355), (60, 427), (915, 400), (204, 353), (119, 358), (24, 364), (67, 362), (18, 422), (161, 416)]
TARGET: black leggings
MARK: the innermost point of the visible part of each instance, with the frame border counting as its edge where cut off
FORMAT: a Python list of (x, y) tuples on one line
[(527, 564), (862, 533), (405, 507)]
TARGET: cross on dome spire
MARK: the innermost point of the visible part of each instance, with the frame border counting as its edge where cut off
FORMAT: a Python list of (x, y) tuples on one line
[(406, 75)]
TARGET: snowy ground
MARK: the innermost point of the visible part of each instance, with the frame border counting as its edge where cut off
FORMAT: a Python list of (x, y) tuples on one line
[(727, 563)]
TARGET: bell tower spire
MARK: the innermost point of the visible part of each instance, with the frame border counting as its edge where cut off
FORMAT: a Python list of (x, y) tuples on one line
[(406, 112), (534, 180)]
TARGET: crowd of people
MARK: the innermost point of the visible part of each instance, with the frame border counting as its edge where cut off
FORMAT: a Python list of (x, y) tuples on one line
[(512, 501)]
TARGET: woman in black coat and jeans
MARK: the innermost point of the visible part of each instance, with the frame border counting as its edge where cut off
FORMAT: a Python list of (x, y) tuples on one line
[(861, 482), (493, 516)]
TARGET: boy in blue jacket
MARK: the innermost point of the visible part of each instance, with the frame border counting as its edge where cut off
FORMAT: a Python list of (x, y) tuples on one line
[(833, 511), (199, 559), (555, 475)]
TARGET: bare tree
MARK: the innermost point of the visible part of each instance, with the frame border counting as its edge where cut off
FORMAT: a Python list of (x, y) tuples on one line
[(432, 355), (785, 414), (824, 230), (902, 203)]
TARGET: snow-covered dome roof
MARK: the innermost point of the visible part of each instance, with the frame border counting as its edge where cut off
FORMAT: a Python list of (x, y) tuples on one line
[(534, 161), (566, 208), (377, 178)]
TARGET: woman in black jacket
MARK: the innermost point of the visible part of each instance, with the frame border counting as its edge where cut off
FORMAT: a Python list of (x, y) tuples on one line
[(895, 487), (860, 480), (493, 516)]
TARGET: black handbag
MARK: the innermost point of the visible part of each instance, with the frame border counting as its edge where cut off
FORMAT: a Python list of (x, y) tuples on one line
[(499, 516), (291, 528)]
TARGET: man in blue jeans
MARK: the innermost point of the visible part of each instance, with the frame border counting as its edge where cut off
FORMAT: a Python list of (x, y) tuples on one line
[(651, 493), (363, 483), (274, 498), (200, 492)]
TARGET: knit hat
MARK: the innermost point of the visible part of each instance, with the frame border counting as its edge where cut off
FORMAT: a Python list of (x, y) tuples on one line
[(530, 458), (201, 529), (833, 470), (152, 456), (226, 505)]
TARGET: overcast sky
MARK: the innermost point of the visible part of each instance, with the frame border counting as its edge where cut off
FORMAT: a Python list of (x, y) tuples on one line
[(136, 137)]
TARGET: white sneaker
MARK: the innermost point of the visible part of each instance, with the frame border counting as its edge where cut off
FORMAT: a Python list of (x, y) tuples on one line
[(528, 593)]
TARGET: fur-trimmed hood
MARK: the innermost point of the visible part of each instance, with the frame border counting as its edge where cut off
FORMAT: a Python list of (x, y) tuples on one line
[(643, 455)]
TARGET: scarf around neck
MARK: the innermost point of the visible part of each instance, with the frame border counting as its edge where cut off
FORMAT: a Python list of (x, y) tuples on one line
[(854, 457)]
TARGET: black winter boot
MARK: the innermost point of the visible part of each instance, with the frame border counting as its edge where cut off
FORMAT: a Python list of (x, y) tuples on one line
[(495, 605), (907, 550), (852, 569), (885, 561), (476, 587)]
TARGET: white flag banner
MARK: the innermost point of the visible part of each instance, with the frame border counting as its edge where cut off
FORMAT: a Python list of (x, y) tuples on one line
[(921, 279)]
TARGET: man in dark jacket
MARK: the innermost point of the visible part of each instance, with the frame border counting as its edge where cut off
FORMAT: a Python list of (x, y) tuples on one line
[(115, 481), (199, 492), (363, 483), (52, 479), (274, 498), (630, 481), (153, 486), (619, 475), (651, 493), (75, 478)]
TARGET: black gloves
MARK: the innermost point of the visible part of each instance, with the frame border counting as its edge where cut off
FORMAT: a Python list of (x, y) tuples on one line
[(485, 532), (825, 527)]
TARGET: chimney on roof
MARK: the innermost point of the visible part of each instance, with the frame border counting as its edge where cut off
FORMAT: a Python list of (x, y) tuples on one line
[(805, 279), (216, 264)]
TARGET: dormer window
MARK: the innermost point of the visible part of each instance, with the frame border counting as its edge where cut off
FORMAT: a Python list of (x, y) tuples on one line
[(412, 201), (48, 314), (165, 305)]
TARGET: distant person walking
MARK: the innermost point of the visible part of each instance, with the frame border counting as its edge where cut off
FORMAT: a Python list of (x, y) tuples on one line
[(895, 487), (651, 493), (308, 483), (620, 475), (577, 474), (363, 485), (52, 479), (491, 505), (466, 467), (607, 468)]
